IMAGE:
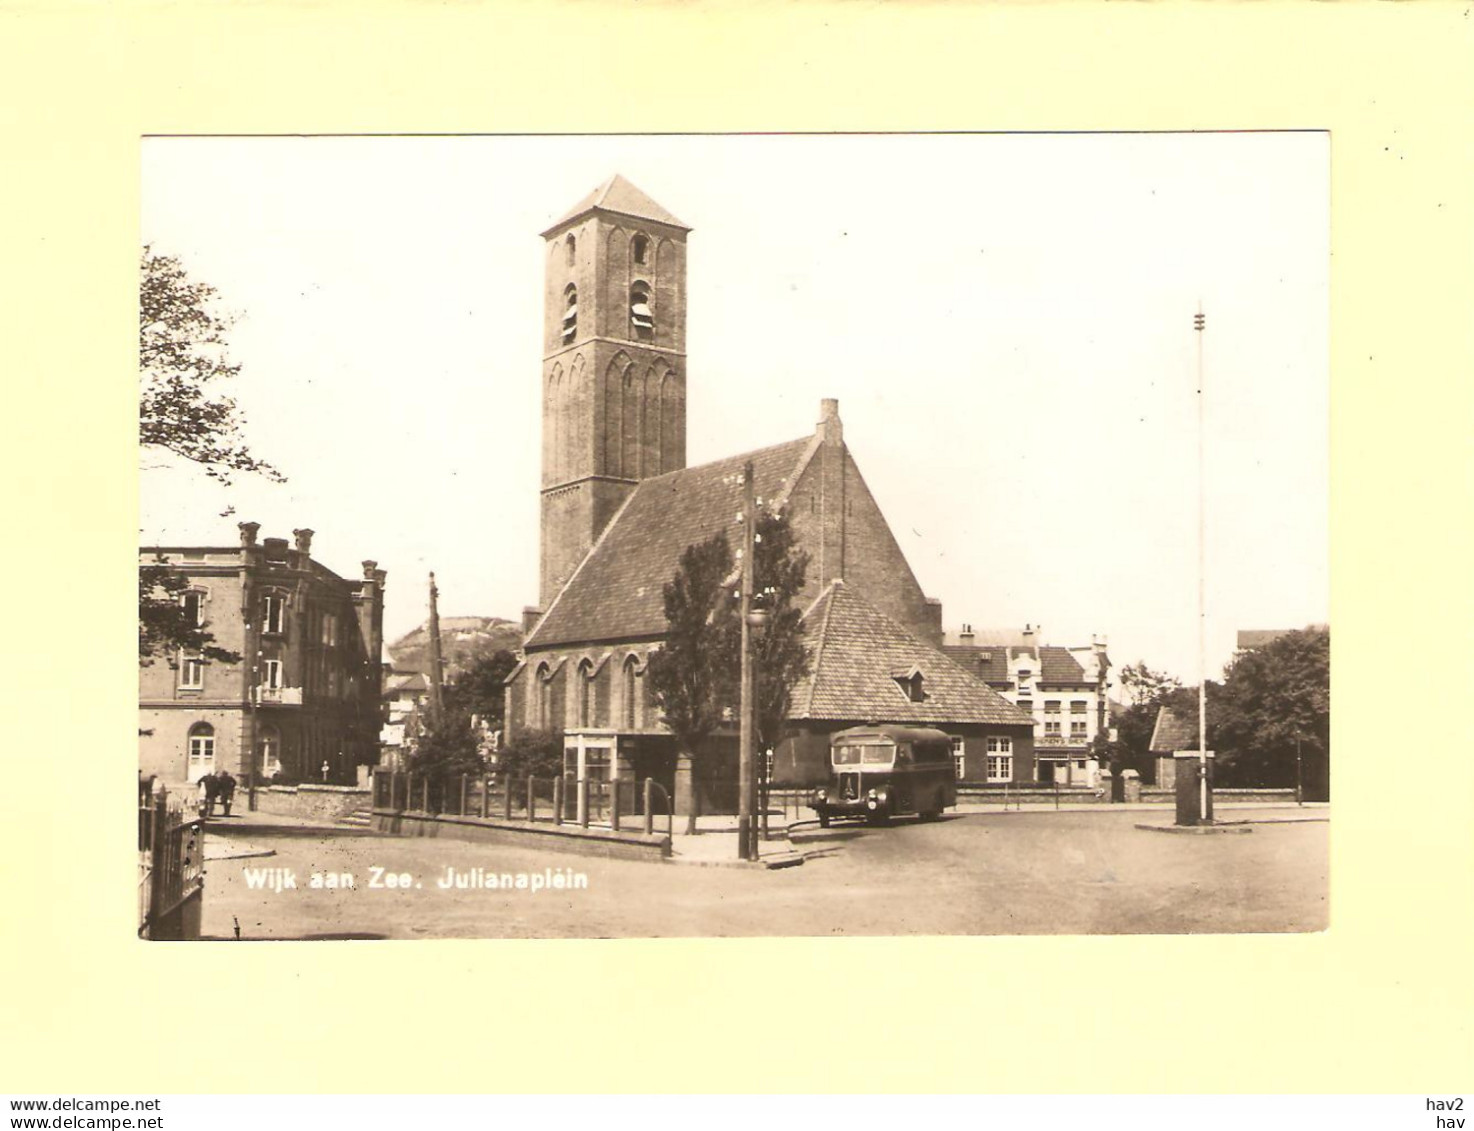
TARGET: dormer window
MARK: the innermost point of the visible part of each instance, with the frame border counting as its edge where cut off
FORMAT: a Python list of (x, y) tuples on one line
[(570, 313), (639, 249), (910, 682), (642, 320)]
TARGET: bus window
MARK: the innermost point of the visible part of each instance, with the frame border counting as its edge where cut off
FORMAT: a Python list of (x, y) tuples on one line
[(846, 755), (879, 755), (903, 754)]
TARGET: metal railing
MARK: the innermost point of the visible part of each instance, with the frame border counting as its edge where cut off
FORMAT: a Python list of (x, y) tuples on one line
[(171, 878)]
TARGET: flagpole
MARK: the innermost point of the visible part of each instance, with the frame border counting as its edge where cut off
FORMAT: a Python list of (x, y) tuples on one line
[(1198, 324)]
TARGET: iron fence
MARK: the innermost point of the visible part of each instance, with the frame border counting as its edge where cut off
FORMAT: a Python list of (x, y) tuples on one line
[(171, 874)]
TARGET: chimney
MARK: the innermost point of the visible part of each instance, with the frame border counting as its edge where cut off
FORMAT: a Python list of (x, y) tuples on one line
[(966, 635), (1031, 636), (531, 614), (1099, 644), (248, 532), (830, 428), (276, 549), (304, 540), (369, 567)]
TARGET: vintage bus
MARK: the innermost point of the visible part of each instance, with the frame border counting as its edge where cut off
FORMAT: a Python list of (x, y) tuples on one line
[(879, 772)]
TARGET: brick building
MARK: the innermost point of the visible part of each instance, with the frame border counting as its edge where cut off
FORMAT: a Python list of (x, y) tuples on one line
[(307, 689), (619, 506)]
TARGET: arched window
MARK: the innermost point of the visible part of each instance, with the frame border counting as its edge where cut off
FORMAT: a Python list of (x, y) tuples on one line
[(572, 246), (642, 321), (201, 751), (543, 689), (630, 692), (585, 693), (570, 313), (639, 249)]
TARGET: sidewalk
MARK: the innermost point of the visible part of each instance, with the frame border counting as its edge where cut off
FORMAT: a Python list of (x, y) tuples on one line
[(243, 822)]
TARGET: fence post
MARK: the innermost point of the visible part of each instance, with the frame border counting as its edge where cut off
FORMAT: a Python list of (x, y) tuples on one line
[(409, 790), (425, 795), (558, 800), (583, 803), (614, 805), (507, 795), (649, 808), (531, 797), (461, 812)]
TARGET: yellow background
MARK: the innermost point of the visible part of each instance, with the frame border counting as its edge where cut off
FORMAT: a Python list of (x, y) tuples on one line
[(1381, 1002)]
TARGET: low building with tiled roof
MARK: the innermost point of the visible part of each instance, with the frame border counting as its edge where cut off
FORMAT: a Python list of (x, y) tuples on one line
[(1173, 732), (619, 506), (866, 668), (1063, 688)]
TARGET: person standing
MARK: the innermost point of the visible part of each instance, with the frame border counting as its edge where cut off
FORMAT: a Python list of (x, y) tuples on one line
[(225, 783), (209, 790)]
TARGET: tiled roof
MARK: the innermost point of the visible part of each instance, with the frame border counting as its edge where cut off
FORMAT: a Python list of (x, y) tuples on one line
[(1058, 666), (618, 195), (988, 663), (1173, 732), (853, 651), (996, 637), (616, 593)]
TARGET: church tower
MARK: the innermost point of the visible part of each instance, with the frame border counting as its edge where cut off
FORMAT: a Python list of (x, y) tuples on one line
[(614, 366)]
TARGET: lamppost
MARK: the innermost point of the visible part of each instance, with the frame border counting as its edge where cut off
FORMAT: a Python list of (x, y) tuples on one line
[(746, 845)]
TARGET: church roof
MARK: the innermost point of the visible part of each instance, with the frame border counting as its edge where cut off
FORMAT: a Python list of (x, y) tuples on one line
[(855, 655), (616, 593), (618, 195)]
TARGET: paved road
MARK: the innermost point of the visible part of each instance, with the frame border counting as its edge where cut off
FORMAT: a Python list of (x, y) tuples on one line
[(996, 873)]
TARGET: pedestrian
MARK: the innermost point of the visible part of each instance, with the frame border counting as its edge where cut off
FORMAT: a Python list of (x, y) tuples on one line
[(225, 783), (209, 790)]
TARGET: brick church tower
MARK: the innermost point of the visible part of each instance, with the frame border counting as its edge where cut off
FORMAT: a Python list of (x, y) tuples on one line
[(614, 366)]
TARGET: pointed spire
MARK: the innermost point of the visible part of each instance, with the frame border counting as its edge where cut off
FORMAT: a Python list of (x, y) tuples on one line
[(618, 195)]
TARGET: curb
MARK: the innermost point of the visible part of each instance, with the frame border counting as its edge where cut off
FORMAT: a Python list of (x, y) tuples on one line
[(1197, 830), (766, 864)]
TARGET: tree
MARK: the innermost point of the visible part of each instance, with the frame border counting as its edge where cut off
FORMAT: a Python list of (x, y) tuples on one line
[(449, 749), (1143, 685), (181, 351), (781, 660), (481, 690), (1276, 706), (536, 753), (692, 677), (181, 359)]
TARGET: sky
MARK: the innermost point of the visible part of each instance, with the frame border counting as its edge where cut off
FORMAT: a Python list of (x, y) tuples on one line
[(1006, 321)]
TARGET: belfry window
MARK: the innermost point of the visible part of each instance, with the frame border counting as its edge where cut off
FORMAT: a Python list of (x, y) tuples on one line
[(639, 249), (642, 320), (572, 245), (570, 313)]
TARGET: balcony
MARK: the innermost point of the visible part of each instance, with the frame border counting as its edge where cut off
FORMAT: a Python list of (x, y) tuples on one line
[(280, 696)]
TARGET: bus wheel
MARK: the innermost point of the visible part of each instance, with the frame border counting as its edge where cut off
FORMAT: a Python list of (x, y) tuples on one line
[(930, 815)]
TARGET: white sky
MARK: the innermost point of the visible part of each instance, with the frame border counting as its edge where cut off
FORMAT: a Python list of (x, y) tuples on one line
[(1006, 321)]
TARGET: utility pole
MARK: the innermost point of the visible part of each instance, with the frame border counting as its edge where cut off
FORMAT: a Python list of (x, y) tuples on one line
[(746, 844), (1198, 324), (436, 668)]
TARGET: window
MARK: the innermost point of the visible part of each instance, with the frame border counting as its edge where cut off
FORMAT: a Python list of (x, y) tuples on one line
[(639, 248), (330, 629), (192, 672), (1077, 706), (959, 761), (630, 689), (1051, 706), (271, 675), (1052, 728), (571, 246), (1025, 674), (642, 321), (1026, 705), (910, 684), (585, 694), (570, 312), (201, 751), (270, 748), (1077, 731), (543, 689), (193, 603), (273, 612), (1000, 759)]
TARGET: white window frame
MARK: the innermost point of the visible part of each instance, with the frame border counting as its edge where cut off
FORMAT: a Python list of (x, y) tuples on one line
[(1000, 759), (200, 751), (959, 757), (1080, 728), (1051, 728), (273, 613), (200, 596), (271, 675), (1052, 707), (330, 629), (191, 666), (1079, 707)]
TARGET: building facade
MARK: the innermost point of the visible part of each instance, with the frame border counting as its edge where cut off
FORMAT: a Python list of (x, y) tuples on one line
[(1065, 690), (303, 701), (619, 506)]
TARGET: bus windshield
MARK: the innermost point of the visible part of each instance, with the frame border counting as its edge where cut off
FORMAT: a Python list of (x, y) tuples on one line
[(870, 755)]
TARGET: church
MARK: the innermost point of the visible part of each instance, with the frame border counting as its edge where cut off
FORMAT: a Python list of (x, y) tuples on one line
[(619, 505)]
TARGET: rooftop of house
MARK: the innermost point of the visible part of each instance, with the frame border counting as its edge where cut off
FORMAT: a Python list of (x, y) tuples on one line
[(859, 658), (1250, 638), (1173, 732), (991, 662)]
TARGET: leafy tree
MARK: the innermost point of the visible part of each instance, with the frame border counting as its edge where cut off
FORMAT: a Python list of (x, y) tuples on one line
[(536, 753), (480, 689), (781, 659), (692, 677), (1143, 685), (1275, 698), (181, 355), (181, 358), (450, 749)]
